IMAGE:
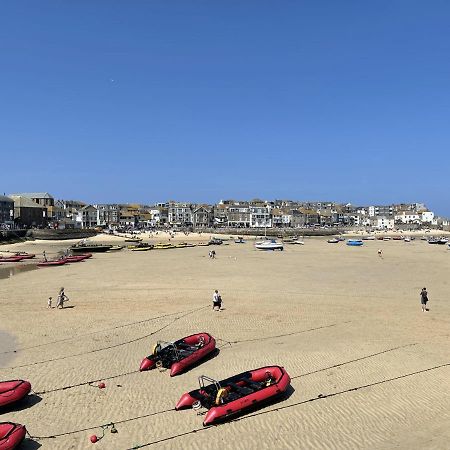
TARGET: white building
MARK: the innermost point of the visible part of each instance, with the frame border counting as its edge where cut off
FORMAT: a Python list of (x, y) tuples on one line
[(407, 217), (427, 217), (383, 222), (260, 216)]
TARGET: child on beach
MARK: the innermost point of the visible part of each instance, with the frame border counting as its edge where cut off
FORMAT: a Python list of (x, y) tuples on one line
[(49, 302), (380, 253)]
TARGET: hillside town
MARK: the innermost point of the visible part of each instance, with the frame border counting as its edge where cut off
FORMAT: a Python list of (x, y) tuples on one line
[(41, 210)]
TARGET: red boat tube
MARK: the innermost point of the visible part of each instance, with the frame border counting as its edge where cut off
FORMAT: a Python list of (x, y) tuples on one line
[(72, 259), (178, 356), (25, 255), (11, 435), (235, 394), (11, 258), (13, 391), (56, 262)]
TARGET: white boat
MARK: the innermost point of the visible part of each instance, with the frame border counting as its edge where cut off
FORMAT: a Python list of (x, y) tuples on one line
[(298, 242), (369, 238), (407, 239), (269, 245)]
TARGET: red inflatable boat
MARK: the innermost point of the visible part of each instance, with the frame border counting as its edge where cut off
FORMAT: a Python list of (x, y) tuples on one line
[(55, 262), (178, 356), (11, 258), (11, 435), (13, 391), (72, 259), (225, 398), (25, 255)]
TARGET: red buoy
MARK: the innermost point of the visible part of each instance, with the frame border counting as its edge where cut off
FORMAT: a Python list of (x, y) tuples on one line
[(102, 385), (94, 438)]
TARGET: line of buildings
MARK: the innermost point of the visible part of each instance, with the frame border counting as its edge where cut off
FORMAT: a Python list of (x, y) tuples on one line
[(40, 209)]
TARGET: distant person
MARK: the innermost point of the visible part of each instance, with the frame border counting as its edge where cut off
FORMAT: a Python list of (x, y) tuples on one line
[(380, 253), (217, 301), (45, 256), (424, 299), (62, 297), (49, 302), (213, 254)]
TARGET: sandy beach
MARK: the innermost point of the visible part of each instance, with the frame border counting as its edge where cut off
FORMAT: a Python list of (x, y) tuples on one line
[(369, 369)]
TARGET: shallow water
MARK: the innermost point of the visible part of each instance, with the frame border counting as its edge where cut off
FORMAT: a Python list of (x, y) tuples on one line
[(7, 344), (11, 270)]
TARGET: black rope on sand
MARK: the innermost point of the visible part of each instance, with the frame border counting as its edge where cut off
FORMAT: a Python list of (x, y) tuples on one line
[(263, 338), (91, 333), (110, 346), (312, 399), (85, 383), (355, 360), (103, 426)]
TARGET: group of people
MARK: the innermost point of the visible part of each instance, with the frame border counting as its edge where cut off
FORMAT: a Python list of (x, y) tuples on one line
[(62, 297)]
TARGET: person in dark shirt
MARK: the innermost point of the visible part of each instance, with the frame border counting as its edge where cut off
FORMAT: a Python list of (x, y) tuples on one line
[(424, 299)]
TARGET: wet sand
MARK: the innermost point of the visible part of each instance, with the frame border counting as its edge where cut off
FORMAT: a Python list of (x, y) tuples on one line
[(346, 324)]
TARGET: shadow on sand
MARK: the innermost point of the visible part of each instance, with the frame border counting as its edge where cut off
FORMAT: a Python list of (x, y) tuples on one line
[(207, 358), (25, 403), (30, 444)]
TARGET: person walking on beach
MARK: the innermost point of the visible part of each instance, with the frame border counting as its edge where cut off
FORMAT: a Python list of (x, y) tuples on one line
[(62, 297), (380, 253), (45, 256), (217, 301), (424, 299), (49, 302)]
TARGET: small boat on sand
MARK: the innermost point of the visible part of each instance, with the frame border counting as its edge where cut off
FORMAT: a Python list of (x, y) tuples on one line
[(6, 259), (355, 242), (51, 263), (179, 355), (13, 391), (74, 258), (133, 239), (25, 255), (271, 244), (163, 246), (89, 248), (333, 241), (234, 395), (239, 240), (215, 241), (11, 435), (115, 248)]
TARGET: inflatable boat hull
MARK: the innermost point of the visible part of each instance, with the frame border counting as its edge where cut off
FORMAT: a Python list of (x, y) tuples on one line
[(247, 382), (13, 391), (11, 435), (181, 365)]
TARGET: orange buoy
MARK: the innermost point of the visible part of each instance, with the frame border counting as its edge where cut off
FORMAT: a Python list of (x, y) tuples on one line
[(102, 385), (94, 438)]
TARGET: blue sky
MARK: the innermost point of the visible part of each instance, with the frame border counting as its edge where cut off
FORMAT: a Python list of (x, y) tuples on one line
[(147, 101)]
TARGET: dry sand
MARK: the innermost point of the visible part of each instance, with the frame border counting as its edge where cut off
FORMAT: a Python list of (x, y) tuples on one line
[(336, 317)]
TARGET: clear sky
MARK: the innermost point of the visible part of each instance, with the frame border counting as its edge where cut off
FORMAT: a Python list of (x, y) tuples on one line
[(143, 101)]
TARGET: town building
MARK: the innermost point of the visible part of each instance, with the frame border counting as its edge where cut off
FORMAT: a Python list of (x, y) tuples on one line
[(6, 211), (28, 213)]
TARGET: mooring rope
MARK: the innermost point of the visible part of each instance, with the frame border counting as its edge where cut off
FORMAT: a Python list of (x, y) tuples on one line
[(106, 348), (91, 333), (67, 433), (312, 399)]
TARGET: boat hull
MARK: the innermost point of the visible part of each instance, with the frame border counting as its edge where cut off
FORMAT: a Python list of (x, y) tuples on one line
[(11, 435), (183, 364), (13, 391), (265, 394), (59, 262)]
